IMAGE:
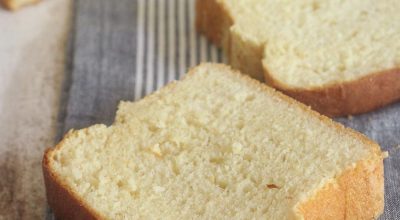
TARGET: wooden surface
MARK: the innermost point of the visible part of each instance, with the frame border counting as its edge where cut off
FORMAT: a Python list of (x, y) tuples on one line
[(32, 48)]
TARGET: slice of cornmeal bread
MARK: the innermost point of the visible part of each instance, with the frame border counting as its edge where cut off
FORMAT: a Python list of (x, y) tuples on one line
[(215, 145), (340, 57)]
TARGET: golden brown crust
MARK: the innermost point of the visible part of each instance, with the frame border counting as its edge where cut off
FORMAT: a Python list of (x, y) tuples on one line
[(356, 194), (212, 19), (353, 97), (17, 4), (62, 200), (206, 17)]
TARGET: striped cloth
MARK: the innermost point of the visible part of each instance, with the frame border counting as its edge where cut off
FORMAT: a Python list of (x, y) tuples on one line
[(125, 49), (168, 44)]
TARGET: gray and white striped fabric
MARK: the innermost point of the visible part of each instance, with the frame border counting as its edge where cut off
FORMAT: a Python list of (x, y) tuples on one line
[(125, 49), (168, 44)]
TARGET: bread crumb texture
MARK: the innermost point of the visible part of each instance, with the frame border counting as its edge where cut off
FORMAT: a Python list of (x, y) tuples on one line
[(215, 145), (313, 43)]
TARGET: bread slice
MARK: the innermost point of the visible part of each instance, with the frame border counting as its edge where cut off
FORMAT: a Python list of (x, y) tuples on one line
[(17, 4), (340, 57), (215, 145)]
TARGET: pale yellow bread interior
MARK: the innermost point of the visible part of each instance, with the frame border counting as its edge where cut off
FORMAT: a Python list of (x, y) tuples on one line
[(311, 44), (215, 145)]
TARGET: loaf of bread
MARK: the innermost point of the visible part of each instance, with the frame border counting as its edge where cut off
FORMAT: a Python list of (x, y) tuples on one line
[(215, 145), (16, 4), (340, 57)]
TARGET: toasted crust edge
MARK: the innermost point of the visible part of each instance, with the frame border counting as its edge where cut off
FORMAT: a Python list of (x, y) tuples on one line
[(356, 194), (355, 97), (212, 19), (67, 205), (339, 99), (13, 5), (62, 200)]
